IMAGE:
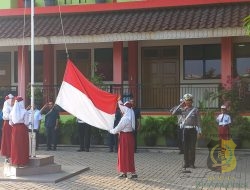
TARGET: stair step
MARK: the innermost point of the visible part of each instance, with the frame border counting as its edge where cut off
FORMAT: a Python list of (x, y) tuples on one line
[(41, 160), (31, 170)]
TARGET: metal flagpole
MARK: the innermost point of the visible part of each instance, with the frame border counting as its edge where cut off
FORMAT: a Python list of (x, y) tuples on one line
[(33, 137)]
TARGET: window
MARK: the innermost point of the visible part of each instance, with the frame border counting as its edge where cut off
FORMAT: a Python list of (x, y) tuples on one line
[(81, 59), (202, 61), (38, 66), (104, 61), (242, 60)]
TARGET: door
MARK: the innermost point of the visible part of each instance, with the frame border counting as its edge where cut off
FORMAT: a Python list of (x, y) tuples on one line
[(160, 77)]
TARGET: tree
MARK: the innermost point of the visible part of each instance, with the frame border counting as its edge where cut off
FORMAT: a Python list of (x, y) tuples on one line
[(246, 24)]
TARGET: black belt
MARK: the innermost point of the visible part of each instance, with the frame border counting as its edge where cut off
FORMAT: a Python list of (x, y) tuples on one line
[(223, 125), (30, 130)]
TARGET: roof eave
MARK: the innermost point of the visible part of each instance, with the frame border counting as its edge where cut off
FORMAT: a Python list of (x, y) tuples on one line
[(159, 35)]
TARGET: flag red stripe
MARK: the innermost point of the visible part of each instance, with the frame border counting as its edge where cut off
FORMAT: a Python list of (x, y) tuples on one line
[(101, 99)]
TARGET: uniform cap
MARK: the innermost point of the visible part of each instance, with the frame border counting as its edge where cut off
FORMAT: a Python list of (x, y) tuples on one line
[(188, 97), (223, 107)]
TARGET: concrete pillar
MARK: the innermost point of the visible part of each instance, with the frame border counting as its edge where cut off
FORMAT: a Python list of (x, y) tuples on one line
[(133, 67), (117, 66), (226, 62)]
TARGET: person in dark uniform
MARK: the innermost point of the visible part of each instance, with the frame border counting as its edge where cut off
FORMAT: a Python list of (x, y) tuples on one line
[(113, 138), (137, 113), (84, 135), (180, 126), (52, 126), (191, 125)]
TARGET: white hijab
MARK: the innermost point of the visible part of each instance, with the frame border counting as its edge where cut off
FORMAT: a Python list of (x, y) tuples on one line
[(18, 112), (7, 106)]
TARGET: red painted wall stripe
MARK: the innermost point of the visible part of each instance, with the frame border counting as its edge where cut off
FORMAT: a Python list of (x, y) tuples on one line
[(114, 6)]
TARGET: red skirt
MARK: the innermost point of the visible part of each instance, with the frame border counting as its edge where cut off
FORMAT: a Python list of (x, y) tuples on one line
[(224, 132), (20, 145), (126, 150), (6, 139)]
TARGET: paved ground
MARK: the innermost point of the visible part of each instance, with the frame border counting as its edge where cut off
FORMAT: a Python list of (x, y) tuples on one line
[(156, 168)]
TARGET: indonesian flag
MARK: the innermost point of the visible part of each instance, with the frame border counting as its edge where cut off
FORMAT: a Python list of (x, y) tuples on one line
[(81, 98)]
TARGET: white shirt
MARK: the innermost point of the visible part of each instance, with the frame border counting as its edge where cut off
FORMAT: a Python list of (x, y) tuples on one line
[(37, 119), (124, 125), (24, 119), (6, 110), (223, 120)]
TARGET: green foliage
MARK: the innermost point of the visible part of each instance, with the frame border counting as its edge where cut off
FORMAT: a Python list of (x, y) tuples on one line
[(208, 98), (38, 95), (68, 131), (42, 128), (150, 127), (97, 79), (243, 126), (246, 24), (231, 96), (240, 127), (68, 127), (168, 126), (209, 125)]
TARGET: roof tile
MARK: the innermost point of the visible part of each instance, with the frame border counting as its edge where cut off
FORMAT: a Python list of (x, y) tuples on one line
[(147, 20)]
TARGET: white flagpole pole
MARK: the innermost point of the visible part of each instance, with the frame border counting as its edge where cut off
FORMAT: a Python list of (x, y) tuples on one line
[(33, 140)]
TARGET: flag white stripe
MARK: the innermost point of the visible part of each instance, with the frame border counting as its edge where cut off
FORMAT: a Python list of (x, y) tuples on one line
[(78, 104)]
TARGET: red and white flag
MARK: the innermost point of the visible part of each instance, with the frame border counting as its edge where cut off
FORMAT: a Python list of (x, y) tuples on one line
[(81, 98)]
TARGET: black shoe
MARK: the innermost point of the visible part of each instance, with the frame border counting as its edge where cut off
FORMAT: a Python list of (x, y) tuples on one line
[(192, 166), (186, 166), (86, 150), (133, 176), (122, 176), (54, 149), (181, 152)]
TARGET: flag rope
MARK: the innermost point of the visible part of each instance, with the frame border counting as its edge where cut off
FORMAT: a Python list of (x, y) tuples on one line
[(61, 21)]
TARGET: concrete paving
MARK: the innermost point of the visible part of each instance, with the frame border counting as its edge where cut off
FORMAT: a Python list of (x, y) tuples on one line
[(157, 168)]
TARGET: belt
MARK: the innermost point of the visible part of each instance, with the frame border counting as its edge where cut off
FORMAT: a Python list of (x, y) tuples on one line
[(126, 132), (30, 130), (223, 125), (189, 127)]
